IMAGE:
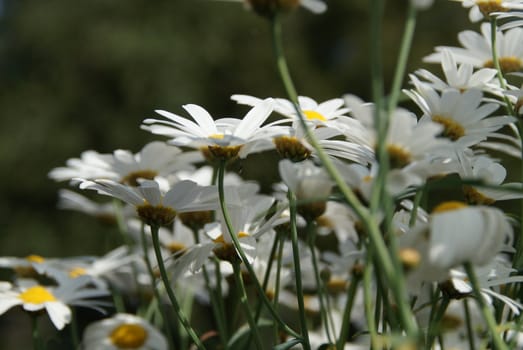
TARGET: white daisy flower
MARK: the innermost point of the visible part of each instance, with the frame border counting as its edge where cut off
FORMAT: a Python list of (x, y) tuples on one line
[(314, 112), (490, 173), (55, 300), (155, 159), (466, 121), (223, 138), (271, 7), (477, 49), (461, 76), (480, 9), (459, 234), (123, 331), (154, 206)]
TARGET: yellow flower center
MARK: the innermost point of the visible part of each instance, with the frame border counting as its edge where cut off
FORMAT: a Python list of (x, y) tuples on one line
[(398, 156), (77, 272), (217, 136), (452, 129), (131, 179), (448, 206), (175, 247), (336, 285), (507, 64), (36, 295), (226, 251), (128, 336), (410, 258), (473, 196), (313, 115), (214, 152), (488, 6), (156, 215), (290, 147), (35, 258)]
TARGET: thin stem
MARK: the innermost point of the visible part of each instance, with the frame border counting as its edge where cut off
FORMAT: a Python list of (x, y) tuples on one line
[(369, 220), (401, 65), (163, 273), (73, 327), (485, 311), (345, 325), (434, 325), (245, 260), (367, 296), (468, 320), (156, 292), (37, 345), (243, 300)]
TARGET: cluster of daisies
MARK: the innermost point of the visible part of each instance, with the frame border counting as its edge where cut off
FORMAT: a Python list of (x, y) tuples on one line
[(304, 246)]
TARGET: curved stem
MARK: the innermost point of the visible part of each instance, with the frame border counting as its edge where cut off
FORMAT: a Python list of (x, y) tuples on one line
[(243, 300), (234, 237), (344, 331), (499, 344), (163, 273), (156, 292), (403, 56)]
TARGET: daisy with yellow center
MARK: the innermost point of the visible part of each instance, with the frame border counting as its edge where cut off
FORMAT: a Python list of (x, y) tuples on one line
[(221, 138), (123, 331), (480, 9), (55, 300), (466, 121), (154, 206), (476, 48)]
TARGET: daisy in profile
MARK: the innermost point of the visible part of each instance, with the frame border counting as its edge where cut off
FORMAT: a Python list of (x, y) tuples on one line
[(55, 300), (461, 76), (465, 120), (477, 49), (223, 138), (123, 331), (314, 112), (480, 9), (154, 206), (490, 173), (155, 159)]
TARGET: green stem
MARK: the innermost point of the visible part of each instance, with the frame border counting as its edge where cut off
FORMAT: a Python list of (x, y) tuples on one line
[(324, 310), (485, 311), (243, 300), (401, 65), (156, 292), (434, 325), (345, 325), (468, 320), (393, 277), (245, 260), (367, 300), (73, 327), (163, 273), (37, 345)]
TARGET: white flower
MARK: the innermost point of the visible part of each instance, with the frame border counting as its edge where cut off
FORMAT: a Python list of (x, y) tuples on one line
[(55, 300), (490, 173), (461, 76), (314, 112), (224, 138), (152, 205), (480, 9), (477, 49), (155, 159), (465, 119), (123, 331)]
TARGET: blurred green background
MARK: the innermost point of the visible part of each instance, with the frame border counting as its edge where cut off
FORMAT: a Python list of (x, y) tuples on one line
[(83, 74)]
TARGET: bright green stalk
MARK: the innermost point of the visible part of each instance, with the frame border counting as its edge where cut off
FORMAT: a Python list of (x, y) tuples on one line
[(156, 292), (177, 309), (245, 260), (434, 325), (401, 64), (485, 311), (368, 219)]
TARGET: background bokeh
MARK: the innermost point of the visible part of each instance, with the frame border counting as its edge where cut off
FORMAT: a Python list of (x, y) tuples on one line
[(83, 74)]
